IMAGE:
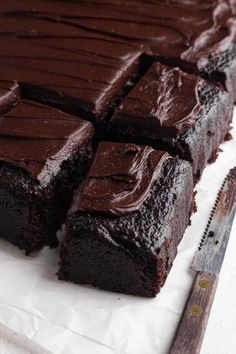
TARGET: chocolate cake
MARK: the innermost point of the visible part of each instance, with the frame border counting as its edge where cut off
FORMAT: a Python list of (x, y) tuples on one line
[(82, 56), (175, 111), (42, 151), (127, 219), (158, 73)]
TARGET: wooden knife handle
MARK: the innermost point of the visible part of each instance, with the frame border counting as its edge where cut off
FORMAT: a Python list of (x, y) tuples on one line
[(191, 329)]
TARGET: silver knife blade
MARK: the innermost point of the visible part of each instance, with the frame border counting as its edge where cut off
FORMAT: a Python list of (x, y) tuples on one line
[(210, 254)]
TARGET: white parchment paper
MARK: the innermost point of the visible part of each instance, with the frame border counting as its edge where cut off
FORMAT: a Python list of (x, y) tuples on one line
[(66, 319)]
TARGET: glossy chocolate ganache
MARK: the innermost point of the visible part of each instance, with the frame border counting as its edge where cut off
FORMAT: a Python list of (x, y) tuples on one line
[(80, 55), (164, 101), (120, 179), (37, 138)]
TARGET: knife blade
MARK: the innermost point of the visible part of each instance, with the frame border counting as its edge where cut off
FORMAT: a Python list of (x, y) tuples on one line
[(207, 263)]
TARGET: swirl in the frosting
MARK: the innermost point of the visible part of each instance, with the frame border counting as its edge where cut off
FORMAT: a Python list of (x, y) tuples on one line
[(120, 179)]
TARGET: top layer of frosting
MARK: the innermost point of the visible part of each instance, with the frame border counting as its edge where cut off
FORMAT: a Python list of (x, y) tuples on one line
[(120, 179), (79, 55), (62, 63), (173, 26), (165, 100), (38, 138)]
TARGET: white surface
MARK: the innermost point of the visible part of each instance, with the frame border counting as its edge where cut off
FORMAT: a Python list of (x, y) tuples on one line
[(68, 319), (12, 342)]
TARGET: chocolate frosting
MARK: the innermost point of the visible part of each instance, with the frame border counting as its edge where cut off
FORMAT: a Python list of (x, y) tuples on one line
[(166, 100), (120, 179), (38, 138), (79, 54), (60, 63)]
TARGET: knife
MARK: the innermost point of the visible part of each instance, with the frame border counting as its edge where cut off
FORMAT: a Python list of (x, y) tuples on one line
[(207, 264)]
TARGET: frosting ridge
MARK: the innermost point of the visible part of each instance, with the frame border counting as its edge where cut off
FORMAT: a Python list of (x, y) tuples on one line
[(120, 178)]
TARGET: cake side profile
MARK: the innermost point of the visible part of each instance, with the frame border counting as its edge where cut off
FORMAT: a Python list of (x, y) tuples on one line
[(42, 151), (127, 220)]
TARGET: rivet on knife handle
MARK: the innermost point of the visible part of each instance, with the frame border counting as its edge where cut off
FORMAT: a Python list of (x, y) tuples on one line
[(193, 323), (207, 264)]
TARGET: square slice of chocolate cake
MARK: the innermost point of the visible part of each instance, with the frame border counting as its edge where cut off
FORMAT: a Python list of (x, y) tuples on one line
[(127, 220), (175, 111), (42, 152), (68, 74)]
